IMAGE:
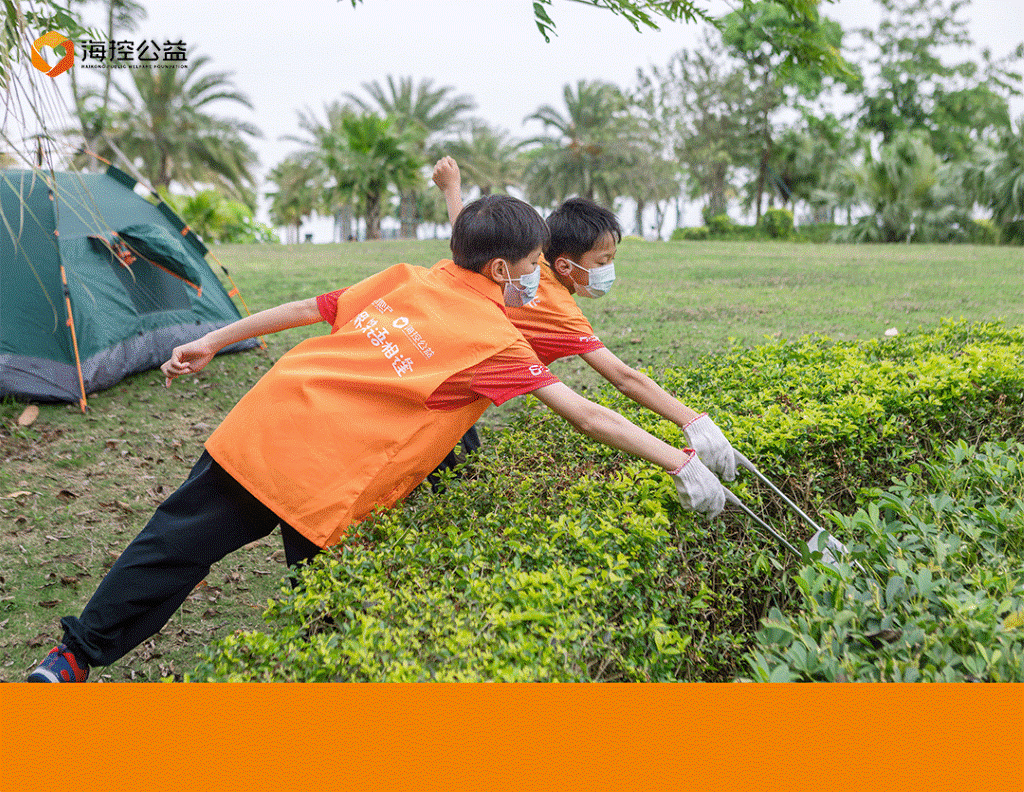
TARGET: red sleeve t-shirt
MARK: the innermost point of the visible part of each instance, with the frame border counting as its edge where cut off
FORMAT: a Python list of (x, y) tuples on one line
[(513, 372)]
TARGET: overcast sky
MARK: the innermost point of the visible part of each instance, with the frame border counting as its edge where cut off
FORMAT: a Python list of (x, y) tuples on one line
[(299, 54)]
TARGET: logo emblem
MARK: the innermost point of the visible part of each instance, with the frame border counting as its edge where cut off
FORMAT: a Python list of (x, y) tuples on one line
[(53, 39)]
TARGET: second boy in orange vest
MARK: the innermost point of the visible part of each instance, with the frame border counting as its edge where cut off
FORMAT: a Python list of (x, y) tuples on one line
[(578, 260)]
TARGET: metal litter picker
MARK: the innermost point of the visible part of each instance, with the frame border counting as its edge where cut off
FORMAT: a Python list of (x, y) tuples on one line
[(831, 548)]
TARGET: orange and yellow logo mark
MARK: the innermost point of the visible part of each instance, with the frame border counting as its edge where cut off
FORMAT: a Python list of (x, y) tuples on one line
[(53, 39)]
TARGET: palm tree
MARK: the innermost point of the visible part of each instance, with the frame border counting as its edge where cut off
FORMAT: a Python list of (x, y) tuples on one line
[(903, 187), (321, 137), (998, 176), (363, 157), (587, 148), (421, 112), (299, 180), (92, 106), (488, 158), (164, 129)]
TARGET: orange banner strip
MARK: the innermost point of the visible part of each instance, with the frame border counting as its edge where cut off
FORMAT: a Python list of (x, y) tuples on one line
[(501, 737)]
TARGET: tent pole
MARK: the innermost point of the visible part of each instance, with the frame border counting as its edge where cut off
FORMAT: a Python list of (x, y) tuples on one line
[(74, 338)]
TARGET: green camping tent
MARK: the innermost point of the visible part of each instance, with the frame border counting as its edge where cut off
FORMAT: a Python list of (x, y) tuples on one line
[(96, 282)]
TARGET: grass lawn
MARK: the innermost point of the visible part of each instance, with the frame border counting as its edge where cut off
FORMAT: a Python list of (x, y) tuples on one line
[(75, 489)]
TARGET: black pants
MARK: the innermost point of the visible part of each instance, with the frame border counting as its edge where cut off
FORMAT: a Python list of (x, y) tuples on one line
[(208, 517), (470, 442)]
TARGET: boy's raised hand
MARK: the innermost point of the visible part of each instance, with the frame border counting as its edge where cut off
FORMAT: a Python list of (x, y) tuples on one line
[(188, 358), (446, 175)]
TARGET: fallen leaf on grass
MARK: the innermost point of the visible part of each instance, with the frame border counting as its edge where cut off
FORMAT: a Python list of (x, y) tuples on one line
[(49, 604), (66, 495), (69, 580), (15, 495), (118, 506), (39, 640), (28, 417)]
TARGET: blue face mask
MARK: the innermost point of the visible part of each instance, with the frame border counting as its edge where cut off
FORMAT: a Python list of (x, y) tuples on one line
[(599, 280), (519, 291)]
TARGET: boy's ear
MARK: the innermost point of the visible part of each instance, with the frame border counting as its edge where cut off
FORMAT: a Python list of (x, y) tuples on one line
[(562, 266), (495, 269)]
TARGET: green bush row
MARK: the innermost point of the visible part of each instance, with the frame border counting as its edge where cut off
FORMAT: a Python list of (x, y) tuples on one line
[(778, 224), (774, 224), (556, 558), (939, 593)]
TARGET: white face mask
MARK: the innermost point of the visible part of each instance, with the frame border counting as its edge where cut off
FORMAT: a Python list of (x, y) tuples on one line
[(599, 280), (525, 291)]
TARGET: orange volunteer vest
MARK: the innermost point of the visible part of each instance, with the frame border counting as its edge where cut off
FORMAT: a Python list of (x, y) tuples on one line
[(339, 426)]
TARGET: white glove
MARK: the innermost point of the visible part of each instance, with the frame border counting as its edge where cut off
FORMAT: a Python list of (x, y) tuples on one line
[(697, 487), (711, 446)]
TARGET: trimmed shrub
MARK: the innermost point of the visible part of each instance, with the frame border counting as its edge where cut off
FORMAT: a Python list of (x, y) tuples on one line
[(982, 232), (557, 558), (1012, 233), (818, 233), (777, 223), (692, 234), (720, 225)]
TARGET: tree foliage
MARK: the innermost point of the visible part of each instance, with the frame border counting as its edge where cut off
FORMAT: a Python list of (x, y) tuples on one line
[(300, 182), (164, 127), (760, 35), (364, 157), (707, 103), (488, 158), (956, 104), (586, 147), (22, 16), (422, 114), (996, 177), (800, 45)]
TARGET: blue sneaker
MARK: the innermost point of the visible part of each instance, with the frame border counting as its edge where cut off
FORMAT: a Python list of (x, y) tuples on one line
[(60, 665)]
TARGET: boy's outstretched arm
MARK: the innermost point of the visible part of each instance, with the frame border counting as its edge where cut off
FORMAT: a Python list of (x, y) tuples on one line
[(701, 432), (449, 180), (192, 357), (696, 486)]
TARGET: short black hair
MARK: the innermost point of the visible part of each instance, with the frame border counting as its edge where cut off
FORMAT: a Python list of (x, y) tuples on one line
[(496, 226), (576, 226)]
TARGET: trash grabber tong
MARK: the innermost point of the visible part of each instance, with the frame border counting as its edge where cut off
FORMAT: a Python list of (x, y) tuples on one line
[(831, 548)]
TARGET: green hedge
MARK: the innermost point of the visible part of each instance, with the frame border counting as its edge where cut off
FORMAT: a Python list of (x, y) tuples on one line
[(938, 596), (556, 558)]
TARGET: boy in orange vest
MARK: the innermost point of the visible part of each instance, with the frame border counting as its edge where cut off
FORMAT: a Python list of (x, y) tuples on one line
[(349, 422), (578, 260)]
